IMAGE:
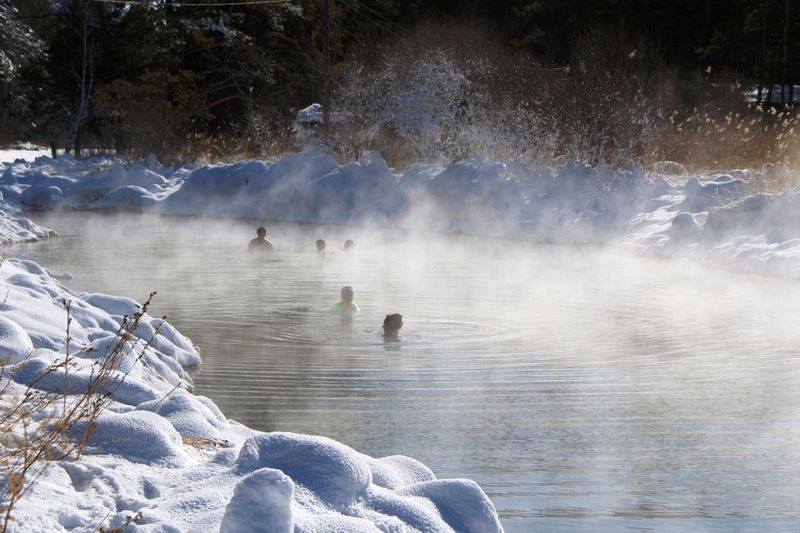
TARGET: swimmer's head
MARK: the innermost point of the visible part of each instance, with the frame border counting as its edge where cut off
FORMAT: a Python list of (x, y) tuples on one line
[(392, 324), (261, 232), (347, 294), (349, 244), (320, 244)]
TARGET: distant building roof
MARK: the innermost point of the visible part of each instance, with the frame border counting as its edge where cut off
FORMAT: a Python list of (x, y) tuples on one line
[(312, 116), (309, 115)]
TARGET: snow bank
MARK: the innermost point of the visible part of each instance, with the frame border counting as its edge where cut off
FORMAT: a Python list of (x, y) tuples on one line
[(163, 459), (474, 195), (719, 217), (724, 220), (18, 229)]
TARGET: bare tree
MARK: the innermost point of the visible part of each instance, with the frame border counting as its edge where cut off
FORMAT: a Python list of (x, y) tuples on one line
[(85, 79)]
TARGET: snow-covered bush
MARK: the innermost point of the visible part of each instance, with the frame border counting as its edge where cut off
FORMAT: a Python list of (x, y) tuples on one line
[(440, 96), (447, 93)]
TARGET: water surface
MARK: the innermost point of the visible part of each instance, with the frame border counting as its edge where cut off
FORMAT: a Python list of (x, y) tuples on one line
[(582, 388)]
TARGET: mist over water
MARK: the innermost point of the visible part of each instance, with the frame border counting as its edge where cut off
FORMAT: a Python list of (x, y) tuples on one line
[(582, 387)]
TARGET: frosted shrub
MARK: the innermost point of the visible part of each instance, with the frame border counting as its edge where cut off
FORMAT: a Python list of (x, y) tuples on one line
[(424, 103), (447, 93), (438, 102)]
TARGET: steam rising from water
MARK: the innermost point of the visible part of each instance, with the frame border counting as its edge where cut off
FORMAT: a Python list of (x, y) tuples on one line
[(580, 386)]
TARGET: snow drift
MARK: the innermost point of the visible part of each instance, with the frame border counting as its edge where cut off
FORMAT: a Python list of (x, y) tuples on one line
[(18, 229)]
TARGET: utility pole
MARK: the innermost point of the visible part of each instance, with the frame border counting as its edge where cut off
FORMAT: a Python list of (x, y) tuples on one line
[(761, 79), (326, 68), (783, 62)]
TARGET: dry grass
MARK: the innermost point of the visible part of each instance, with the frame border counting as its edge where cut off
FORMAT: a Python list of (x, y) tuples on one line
[(205, 443), (37, 427), (130, 519), (716, 136)]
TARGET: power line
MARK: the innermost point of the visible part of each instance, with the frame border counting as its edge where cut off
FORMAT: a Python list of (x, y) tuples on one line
[(384, 17), (199, 4), (371, 20), (326, 58)]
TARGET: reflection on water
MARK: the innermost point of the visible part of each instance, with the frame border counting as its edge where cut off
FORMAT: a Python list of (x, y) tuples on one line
[(583, 389)]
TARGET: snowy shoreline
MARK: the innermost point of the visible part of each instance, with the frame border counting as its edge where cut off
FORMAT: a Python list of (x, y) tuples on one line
[(170, 458), (15, 229), (721, 218)]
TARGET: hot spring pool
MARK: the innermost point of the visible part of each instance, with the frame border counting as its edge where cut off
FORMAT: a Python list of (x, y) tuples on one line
[(583, 388)]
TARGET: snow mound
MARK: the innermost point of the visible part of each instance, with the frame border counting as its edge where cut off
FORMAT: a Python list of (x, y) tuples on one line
[(189, 416), (129, 197), (335, 473), (261, 502), (397, 471), (719, 191), (461, 503), (15, 345), (117, 306), (138, 436)]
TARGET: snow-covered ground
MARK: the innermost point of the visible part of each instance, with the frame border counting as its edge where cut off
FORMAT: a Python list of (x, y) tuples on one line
[(719, 217), (172, 461), (27, 152)]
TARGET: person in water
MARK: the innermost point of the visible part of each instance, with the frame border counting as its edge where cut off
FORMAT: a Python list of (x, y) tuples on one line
[(391, 326), (260, 242), (349, 245), (345, 306), (320, 244)]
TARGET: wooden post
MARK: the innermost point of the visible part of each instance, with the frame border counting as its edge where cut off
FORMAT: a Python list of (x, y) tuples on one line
[(783, 60), (326, 68), (761, 73)]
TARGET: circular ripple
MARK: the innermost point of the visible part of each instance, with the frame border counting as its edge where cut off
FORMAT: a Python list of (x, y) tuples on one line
[(309, 326)]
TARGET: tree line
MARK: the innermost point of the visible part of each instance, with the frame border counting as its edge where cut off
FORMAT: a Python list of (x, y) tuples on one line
[(184, 78)]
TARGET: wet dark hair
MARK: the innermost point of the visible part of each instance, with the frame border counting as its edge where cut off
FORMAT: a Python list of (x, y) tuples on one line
[(348, 244), (393, 321), (261, 231), (320, 244)]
